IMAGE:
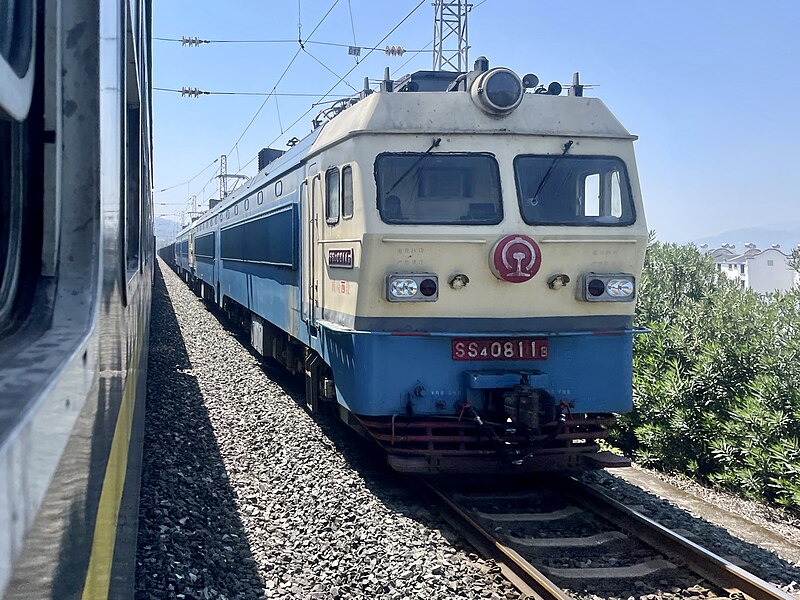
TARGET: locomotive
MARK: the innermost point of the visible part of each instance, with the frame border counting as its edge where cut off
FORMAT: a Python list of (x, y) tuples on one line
[(77, 254), (451, 262)]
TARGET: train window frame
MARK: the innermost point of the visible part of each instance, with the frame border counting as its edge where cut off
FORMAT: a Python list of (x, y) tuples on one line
[(386, 217), (278, 188), (131, 192), (236, 210), (581, 219), (247, 203), (260, 197), (347, 208), (332, 204)]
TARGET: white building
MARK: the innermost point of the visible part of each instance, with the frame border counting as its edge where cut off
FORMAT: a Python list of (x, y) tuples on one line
[(760, 270)]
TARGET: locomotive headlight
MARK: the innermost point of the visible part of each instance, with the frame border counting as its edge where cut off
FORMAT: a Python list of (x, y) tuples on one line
[(613, 287), (403, 288), (412, 287), (596, 287), (620, 288), (498, 91)]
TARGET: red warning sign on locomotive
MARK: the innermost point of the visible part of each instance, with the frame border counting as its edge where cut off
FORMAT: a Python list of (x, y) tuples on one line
[(515, 258)]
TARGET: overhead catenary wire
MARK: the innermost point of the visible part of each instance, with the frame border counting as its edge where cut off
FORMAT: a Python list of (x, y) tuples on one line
[(327, 68), (286, 70), (353, 68), (333, 87), (415, 54), (299, 23), (221, 93), (278, 111), (188, 181), (352, 27), (304, 42), (263, 104), (320, 98)]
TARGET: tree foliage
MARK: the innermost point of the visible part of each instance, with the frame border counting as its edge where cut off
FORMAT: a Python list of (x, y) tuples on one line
[(717, 379), (794, 260)]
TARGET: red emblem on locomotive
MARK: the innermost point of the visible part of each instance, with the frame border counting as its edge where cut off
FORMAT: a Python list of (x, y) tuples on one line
[(515, 258)]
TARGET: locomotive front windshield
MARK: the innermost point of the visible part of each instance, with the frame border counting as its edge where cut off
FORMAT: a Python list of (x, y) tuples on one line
[(435, 189), (573, 190)]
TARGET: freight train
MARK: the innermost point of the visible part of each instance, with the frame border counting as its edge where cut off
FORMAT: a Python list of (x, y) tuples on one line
[(77, 255), (451, 261)]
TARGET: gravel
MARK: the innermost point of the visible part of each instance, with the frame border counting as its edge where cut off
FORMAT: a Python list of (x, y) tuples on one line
[(244, 495), (783, 573), (771, 518)]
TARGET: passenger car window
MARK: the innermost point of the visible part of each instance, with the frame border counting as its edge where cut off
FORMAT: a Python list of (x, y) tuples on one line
[(454, 189), (347, 192), (573, 190), (131, 197), (332, 196)]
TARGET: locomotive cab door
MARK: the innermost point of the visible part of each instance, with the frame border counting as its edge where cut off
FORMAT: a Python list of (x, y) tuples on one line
[(191, 257), (306, 229), (312, 265)]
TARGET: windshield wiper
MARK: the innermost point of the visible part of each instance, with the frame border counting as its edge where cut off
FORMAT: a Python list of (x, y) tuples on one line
[(567, 146), (435, 144)]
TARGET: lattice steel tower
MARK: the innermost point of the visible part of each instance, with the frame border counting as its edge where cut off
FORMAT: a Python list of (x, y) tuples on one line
[(223, 176), (450, 40)]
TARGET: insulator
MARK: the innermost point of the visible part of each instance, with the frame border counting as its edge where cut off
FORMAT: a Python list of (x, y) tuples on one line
[(192, 92), (192, 41), (394, 50)]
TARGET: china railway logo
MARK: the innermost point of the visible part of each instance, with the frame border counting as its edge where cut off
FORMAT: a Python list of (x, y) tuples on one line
[(515, 258)]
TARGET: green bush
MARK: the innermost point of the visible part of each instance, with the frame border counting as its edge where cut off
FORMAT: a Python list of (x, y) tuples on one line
[(717, 380)]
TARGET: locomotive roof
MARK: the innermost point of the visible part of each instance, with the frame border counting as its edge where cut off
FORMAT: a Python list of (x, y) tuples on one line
[(440, 113), (455, 112)]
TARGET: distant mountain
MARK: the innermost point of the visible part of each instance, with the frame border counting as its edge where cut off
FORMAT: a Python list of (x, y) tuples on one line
[(165, 231), (788, 236)]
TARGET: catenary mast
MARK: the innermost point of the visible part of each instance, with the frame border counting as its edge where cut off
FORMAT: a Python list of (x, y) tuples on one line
[(450, 39)]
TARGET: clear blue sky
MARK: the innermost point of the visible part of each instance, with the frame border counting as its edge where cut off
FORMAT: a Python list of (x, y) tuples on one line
[(710, 87)]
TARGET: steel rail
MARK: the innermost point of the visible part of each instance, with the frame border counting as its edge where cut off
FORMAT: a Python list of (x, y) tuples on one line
[(715, 569), (530, 575)]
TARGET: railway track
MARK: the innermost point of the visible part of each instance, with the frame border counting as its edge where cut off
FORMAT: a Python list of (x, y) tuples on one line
[(571, 539)]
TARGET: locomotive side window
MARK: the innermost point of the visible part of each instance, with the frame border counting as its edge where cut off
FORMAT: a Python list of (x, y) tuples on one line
[(573, 190), (332, 191), (347, 193), (431, 189)]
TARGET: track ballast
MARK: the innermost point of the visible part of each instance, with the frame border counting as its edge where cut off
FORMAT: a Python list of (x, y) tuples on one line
[(244, 495)]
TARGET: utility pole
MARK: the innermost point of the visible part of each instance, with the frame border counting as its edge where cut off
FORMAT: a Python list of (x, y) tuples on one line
[(450, 39)]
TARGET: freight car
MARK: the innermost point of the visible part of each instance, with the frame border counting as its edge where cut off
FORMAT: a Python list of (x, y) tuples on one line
[(452, 262), (76, 267)]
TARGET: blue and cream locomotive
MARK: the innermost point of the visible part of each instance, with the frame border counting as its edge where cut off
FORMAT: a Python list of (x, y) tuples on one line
[(453, 261)]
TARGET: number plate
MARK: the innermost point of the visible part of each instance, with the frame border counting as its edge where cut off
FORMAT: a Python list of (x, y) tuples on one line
[(499, 348)]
